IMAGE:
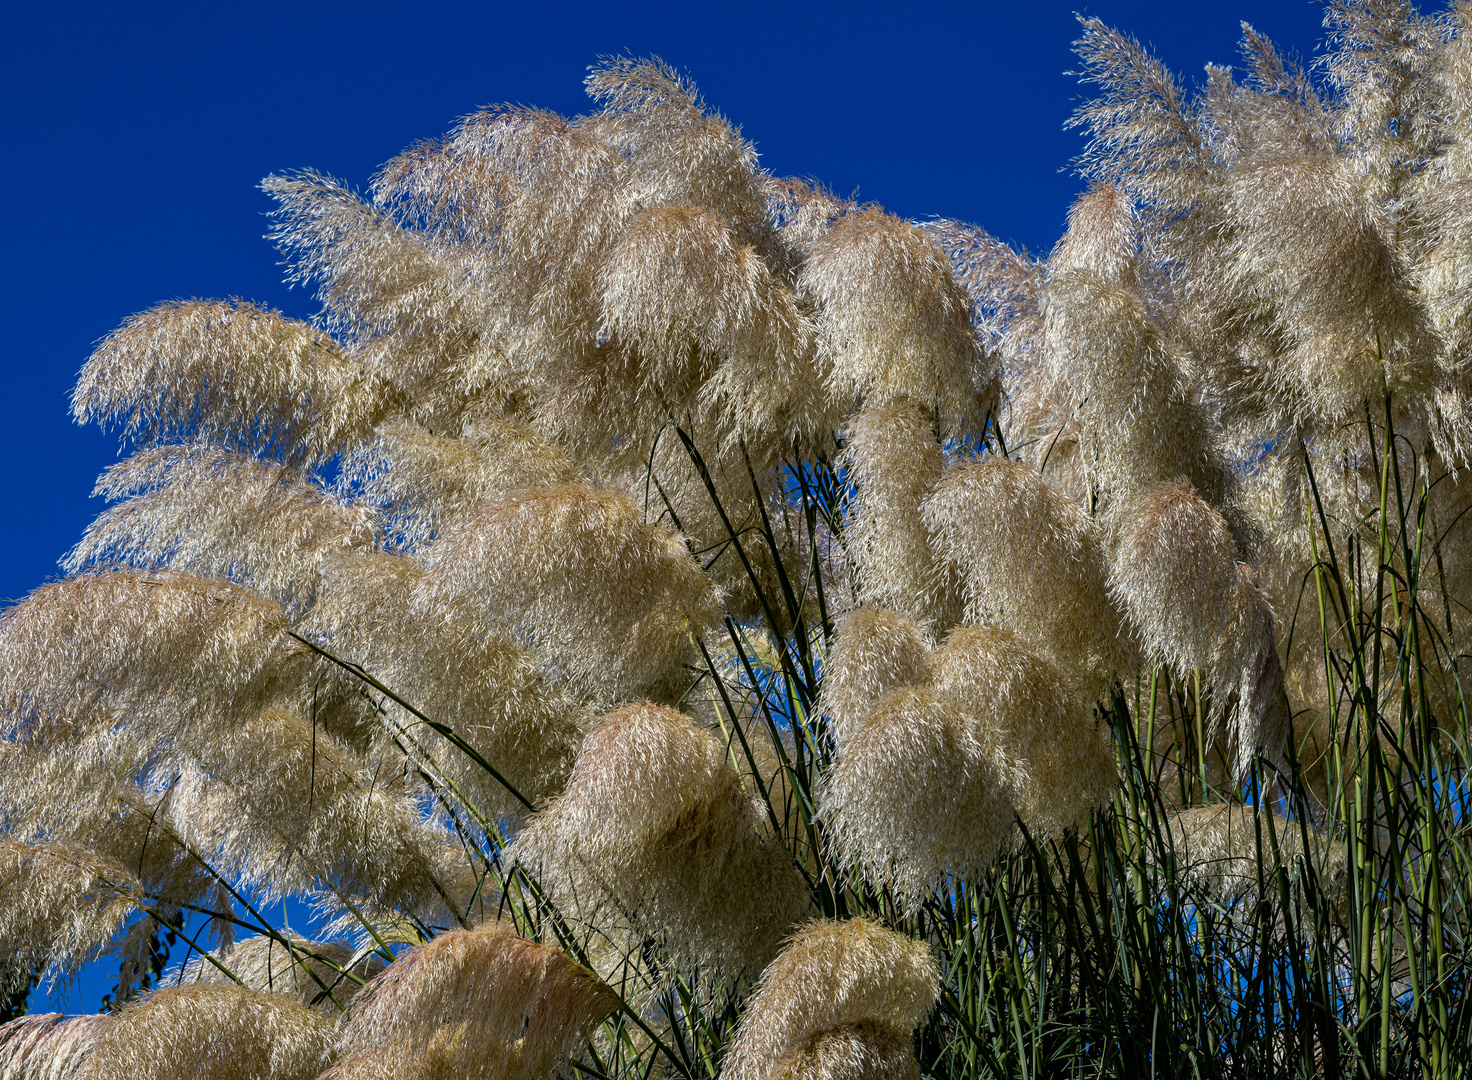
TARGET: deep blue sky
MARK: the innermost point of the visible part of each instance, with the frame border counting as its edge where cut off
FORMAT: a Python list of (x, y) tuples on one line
[(136, 135)]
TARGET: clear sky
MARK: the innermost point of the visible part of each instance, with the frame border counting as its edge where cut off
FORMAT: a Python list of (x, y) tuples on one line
[(136, 134)]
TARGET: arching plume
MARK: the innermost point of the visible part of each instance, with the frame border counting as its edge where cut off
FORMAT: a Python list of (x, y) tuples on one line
[(609, 599), (920, 791), (229, 372), (211, 1032)]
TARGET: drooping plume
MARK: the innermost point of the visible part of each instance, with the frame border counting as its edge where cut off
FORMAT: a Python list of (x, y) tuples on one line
[(231, 373), (840, 994), (45, 1046), (1063, 755), (894, 321), (213, 1033), (608, 598), (894, 460), (874, 652), (1030, 559), (472, 1003), (654, 835), (920, 790), (217, 513)]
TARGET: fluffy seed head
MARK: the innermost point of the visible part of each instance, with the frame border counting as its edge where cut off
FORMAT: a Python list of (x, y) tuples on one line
[(1063, 756), (472, 1003), (1028, 558), (228, 372), (1102, 236), (920, 791), (1175, 573), (608, 598), (217, 513), (893, 459), (840, 992), (654, 822), (45, 1046), (60, 904), (894, 320), (874, 652), (211, 1032), (1312, 258)]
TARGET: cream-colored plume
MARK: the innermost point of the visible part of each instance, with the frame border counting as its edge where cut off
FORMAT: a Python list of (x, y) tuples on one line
[(217, 513), (1030, 559), (894, 321), (1314, 261), (1175, 573), (212, 1033), (472, 1003), (875, 651), (45, 1046), (1063, 754), (282, 806), (1218, 846), (610, 600), (490, 690), (60, 904), (841, 995), (920, 790), (655, 837), (405, 305), (894, 460), (427, 482), (229, 372), (164, 652), (1139, 419)]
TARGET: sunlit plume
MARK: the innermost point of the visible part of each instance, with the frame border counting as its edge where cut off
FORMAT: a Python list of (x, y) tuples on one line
[(655, 834), (840, 994), (471, 1003)]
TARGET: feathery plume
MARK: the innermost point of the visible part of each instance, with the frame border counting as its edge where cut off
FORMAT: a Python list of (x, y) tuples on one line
[(873, 652), (405, 306), (427, 482), (1321, 284), (654, 833), (893, 459), (61, 905), (490, 690), (1247, 668), (211, 1032), (163, 650), (45, 1046), (1175, 573), (218, 513), (839, 993), (610, 600), (229, 372), (920, 791), (283, 806), (472, 1003), (1063, 756), (676, 149), (1139, 420), (1029, 558), (894, 321)]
